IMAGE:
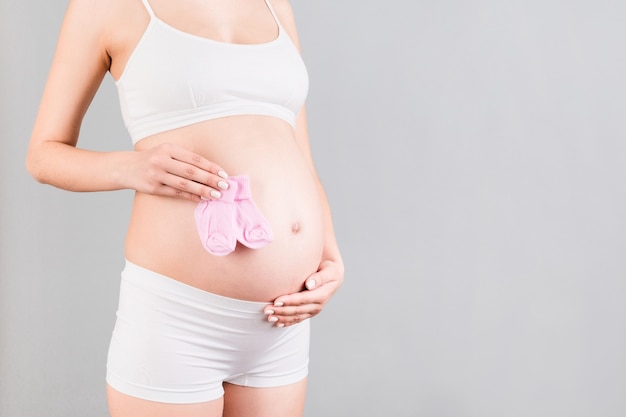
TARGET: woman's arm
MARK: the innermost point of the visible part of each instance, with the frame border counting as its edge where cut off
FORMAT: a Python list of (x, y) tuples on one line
[(79, 65), (81, 61), (321, 285)]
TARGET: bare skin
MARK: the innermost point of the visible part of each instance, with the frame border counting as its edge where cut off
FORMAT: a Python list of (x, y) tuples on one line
[(237, 401), (296, 274)]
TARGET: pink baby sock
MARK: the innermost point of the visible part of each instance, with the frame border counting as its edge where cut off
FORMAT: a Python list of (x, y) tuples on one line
[(216, 222), (253, 230)]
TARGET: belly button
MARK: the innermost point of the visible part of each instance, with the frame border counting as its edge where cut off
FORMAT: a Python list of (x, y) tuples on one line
[(295, 228)]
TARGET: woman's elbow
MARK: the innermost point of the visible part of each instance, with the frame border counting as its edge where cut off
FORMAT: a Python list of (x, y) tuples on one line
[(33, 165)]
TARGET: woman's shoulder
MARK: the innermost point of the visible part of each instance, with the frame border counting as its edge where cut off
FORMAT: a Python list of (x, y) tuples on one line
[(111, 27), (106, 16)]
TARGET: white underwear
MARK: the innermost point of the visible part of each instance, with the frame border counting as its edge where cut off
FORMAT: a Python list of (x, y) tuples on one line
[(175, 343)]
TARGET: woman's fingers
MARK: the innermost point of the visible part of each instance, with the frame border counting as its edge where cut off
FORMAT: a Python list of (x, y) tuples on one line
[(204, 165), (172, 171), (191, 179), (301, 306), (293, 308), (291, 314)]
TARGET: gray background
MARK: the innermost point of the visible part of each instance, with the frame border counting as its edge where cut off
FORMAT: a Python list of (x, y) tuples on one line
[(474, 155)]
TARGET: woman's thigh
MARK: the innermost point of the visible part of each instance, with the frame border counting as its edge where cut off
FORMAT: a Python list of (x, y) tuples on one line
[(284, 401), (122, 405)]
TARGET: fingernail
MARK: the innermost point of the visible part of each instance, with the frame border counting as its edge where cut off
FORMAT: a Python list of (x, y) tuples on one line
[(310, 284), (222, 174), (269, 312), (279, 304), (215, 194), (203, 198), (223, 185), (273, 319), (280, 325)]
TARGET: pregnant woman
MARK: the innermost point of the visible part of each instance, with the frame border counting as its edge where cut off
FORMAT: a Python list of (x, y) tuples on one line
[(230, 247)]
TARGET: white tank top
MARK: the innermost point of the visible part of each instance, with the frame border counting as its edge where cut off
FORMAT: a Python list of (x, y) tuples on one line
[(174, 79)]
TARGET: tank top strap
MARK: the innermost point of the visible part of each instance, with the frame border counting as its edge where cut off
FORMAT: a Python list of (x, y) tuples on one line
[(269, 6), (148, 8)]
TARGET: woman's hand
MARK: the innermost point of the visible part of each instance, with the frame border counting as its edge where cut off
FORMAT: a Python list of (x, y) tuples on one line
[(172, 171), (320, 287)]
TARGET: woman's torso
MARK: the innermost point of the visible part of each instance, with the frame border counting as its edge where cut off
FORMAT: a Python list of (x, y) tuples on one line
[(162, 234)]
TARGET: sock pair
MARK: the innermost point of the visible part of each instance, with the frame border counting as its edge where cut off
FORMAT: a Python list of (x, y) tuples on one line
[(231, 218)]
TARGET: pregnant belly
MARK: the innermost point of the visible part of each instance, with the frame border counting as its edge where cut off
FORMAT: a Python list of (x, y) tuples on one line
[(163, 237)]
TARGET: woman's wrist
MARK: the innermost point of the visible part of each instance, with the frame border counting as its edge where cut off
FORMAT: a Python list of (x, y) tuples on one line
[(120, 167)]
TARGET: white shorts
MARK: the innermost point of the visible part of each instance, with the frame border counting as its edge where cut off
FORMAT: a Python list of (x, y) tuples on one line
[(175, 343)]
